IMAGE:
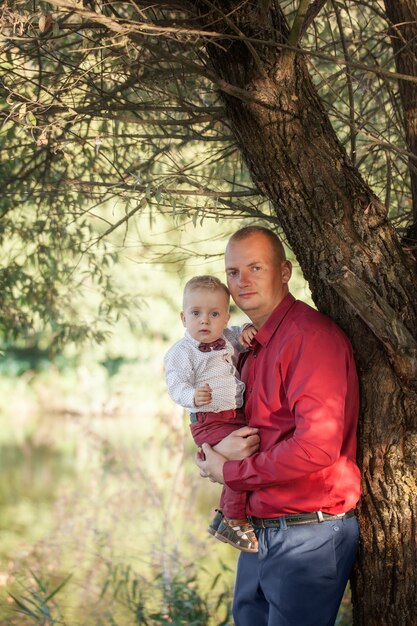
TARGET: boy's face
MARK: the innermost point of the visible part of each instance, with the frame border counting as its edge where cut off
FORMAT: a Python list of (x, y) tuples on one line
[(205, 314)]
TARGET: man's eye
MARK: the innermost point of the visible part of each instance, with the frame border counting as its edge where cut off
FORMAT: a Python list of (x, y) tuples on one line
[(256, 268), (232, 273)]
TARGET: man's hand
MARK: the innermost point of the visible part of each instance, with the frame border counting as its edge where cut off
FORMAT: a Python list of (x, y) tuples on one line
[(240, 444), (202, 395), (212, 466)]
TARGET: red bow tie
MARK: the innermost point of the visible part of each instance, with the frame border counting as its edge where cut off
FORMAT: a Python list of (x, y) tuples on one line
[(219, 344)]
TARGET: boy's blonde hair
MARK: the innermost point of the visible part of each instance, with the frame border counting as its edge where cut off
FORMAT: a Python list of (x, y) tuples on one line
[(211, 283)]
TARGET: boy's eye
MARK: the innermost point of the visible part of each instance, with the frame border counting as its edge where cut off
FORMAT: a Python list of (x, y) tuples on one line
[(195, 313), (215, 314)]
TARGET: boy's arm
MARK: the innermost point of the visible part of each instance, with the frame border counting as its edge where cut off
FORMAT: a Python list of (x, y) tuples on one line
[(248, 333), (179, 375), (240, 336)]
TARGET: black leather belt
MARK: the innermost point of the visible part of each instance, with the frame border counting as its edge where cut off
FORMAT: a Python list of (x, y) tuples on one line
[(299, 518)]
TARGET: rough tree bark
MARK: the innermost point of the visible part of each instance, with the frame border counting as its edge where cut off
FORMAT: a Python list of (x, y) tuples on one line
[(357, 271), (403, 17)]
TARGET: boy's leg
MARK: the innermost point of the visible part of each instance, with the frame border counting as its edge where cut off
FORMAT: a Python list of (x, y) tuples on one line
[(235, 528), (215, 522), (211, 428)]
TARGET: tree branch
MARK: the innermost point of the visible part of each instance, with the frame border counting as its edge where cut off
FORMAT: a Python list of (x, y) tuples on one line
[(298, 23), (312, 12)]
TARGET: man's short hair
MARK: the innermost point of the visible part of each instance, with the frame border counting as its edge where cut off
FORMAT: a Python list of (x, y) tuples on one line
[(275, 241), (211, 283)]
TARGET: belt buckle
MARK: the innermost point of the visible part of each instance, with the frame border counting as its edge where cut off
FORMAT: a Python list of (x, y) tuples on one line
[(322, 519)]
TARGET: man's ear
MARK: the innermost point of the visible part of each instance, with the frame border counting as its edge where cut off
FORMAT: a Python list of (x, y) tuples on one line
[(182, 318), (286, 270)]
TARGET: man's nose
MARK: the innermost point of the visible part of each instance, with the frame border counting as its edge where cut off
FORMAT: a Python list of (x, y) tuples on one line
[(243, 278)]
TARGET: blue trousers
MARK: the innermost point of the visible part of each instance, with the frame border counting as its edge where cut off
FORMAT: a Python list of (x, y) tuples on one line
[(299, 575)]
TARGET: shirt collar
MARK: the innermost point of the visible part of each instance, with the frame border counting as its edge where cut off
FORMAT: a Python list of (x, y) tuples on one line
[(266, 331)]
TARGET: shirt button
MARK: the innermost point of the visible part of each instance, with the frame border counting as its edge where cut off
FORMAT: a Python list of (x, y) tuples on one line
[(254, 356)]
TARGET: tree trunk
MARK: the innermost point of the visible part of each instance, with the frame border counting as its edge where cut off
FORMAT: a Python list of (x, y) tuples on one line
[(358, 274), (403, 17)]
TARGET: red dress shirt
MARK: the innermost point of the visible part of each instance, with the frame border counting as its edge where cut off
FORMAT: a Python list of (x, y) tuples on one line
[(302, 394)]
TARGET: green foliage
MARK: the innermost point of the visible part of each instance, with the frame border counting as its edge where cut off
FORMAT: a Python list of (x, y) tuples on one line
[(111, 118), (146, 602), (37, 602), (363, 105), (174, 600), (98, 132)]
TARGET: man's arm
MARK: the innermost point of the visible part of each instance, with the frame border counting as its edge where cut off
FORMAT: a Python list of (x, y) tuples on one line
[(316, 389), (240, 444)]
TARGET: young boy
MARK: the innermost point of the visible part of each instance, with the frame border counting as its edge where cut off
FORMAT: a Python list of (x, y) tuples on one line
[(202, 378)]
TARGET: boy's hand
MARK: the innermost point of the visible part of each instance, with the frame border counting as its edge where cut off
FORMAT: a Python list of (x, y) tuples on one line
[(247, 335), (202, 395)]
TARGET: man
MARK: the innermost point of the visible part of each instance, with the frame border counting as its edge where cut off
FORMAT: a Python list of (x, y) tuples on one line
[(301, 405)]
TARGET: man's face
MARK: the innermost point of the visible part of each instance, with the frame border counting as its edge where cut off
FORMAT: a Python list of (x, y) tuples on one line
[(205, 314), (256, 278)]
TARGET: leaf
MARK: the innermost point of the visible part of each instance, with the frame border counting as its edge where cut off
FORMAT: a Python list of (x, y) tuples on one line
[(215, 580), (55, 591), (45, 22), (31, 119), (7, 125), (38, 581), (23, 608)]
